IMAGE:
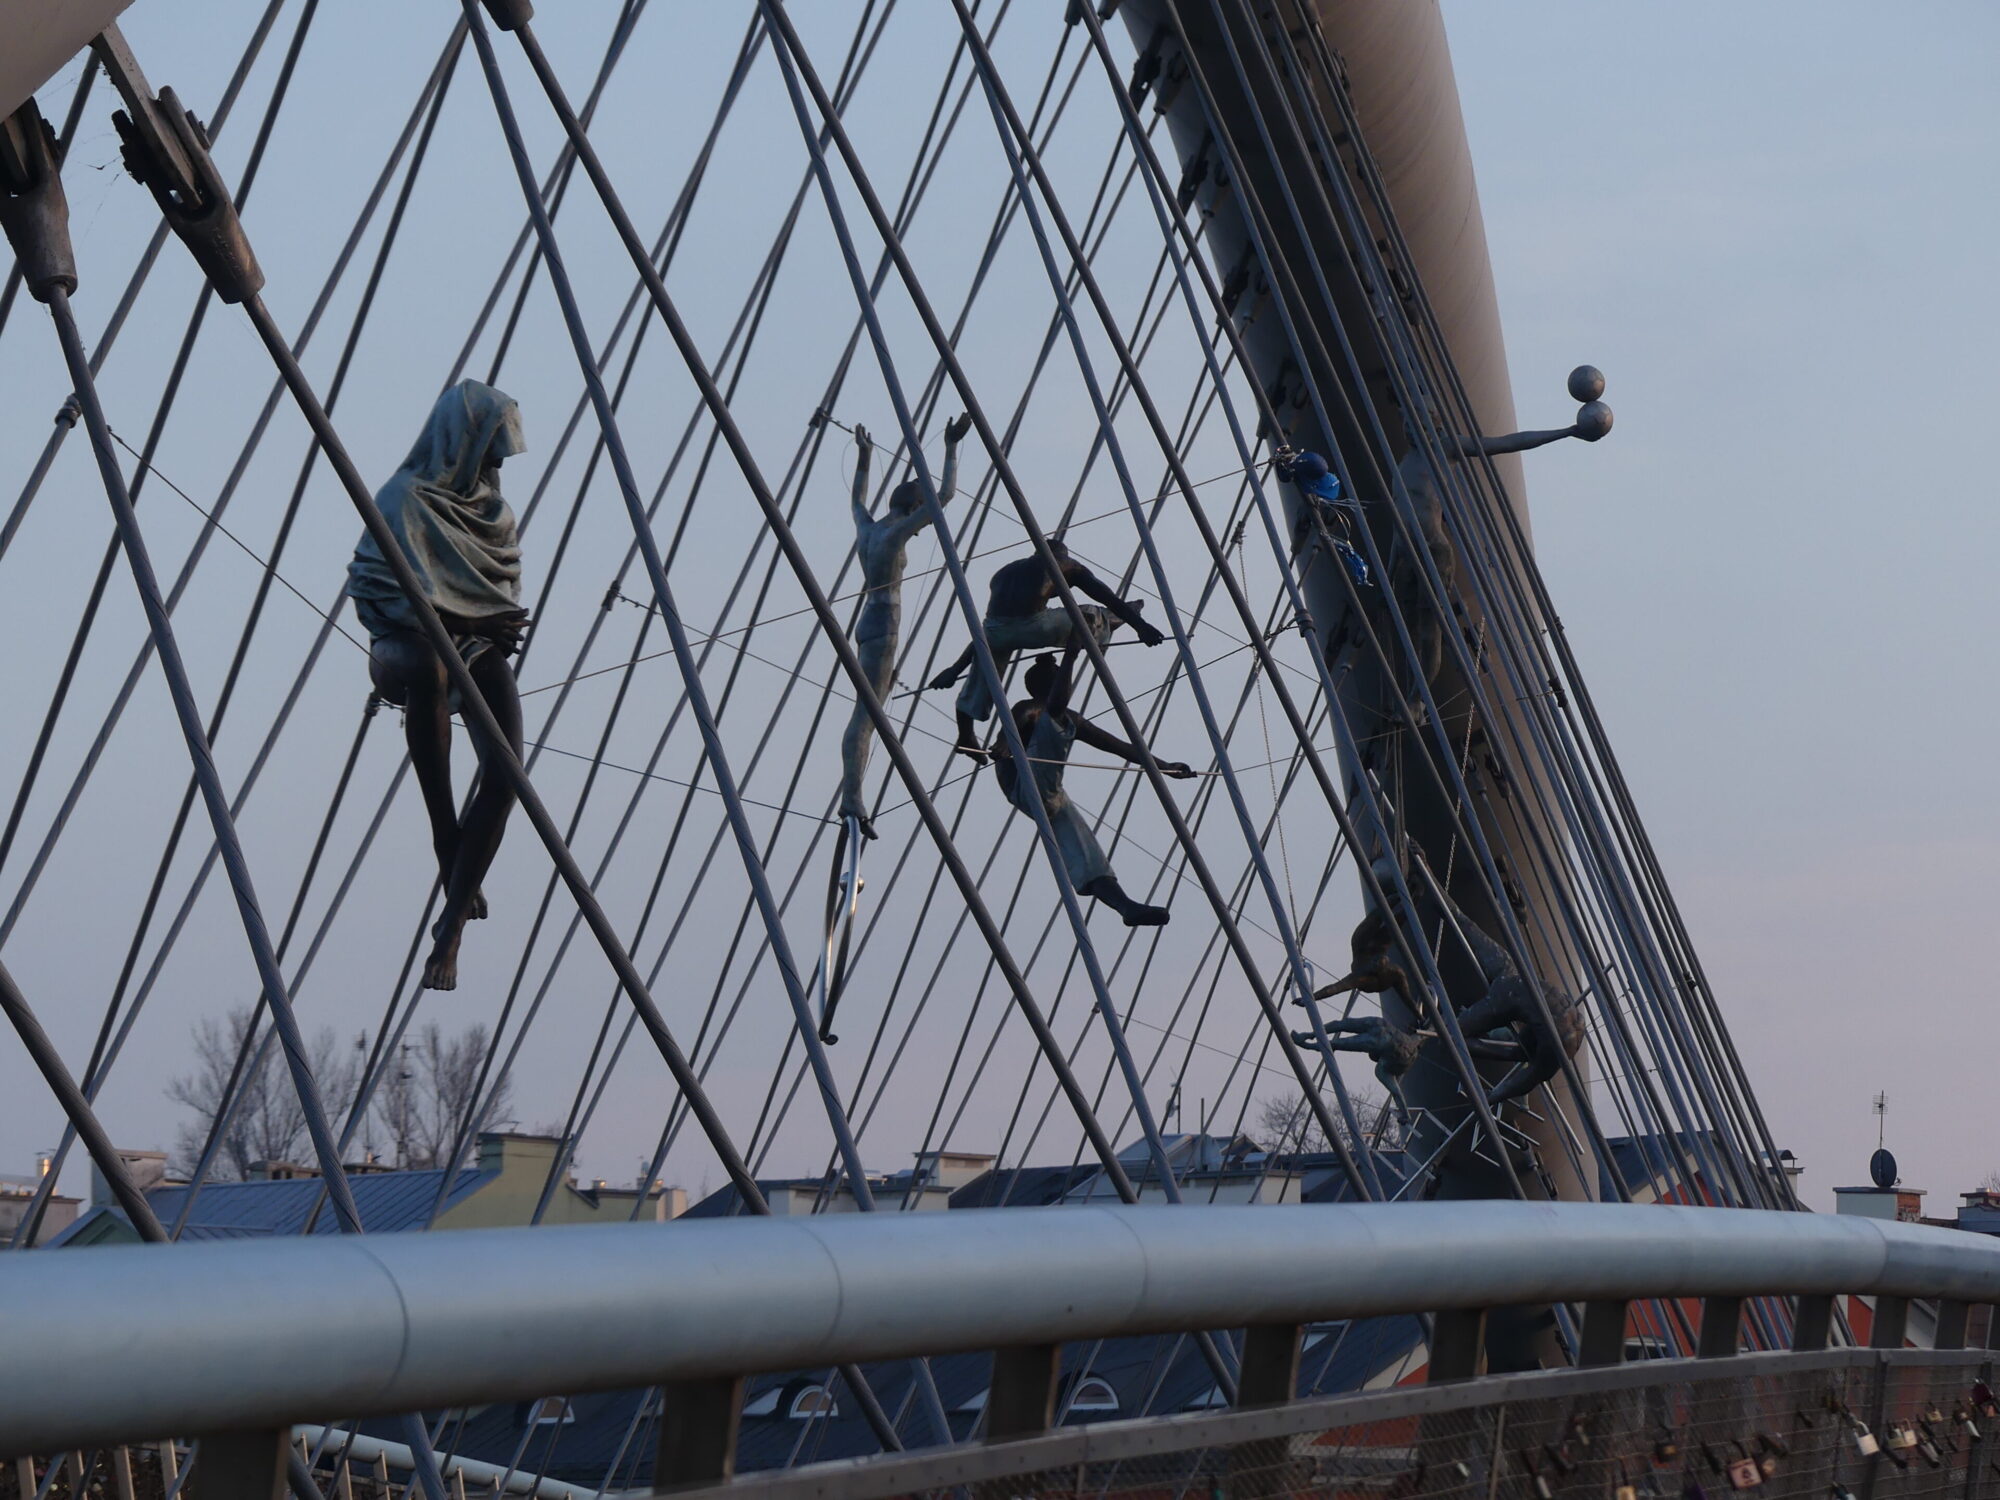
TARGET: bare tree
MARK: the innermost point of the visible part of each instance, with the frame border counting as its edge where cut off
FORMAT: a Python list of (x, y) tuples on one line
[(1286, 1124), (429, 1093), (267, 1123)]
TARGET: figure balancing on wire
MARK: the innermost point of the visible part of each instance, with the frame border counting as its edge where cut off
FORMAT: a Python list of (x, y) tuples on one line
[(1019, 617), (1048, 730), (880, 544), (445, 508)]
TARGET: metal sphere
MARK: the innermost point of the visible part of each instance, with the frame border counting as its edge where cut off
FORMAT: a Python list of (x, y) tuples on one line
[(1593, 420), (1586, 383)]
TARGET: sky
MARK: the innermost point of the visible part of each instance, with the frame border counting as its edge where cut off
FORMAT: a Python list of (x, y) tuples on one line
[(1769, 226)]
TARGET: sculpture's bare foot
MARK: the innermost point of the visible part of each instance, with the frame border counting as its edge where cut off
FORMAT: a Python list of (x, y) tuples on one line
[(1141, 915), (478, 912), (441, 968), (972, 752)]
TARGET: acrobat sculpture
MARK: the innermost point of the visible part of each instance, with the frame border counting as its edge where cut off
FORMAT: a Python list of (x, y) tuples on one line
[(1506, 1023), (880, 544), (445, 508), (1019, 617), (1048, 729)]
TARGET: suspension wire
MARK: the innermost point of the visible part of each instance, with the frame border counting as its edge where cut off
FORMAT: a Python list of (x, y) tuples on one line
[(280, 90), (794, 63), (258, 936), (753, 313), (104, 1051), (370, 1075), (1556, 880), (1527, 570), (760, 490), (67, 414), (1023, 161), (1413, 952)]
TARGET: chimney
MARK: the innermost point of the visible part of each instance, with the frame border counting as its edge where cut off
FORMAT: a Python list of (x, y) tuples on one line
[(147, 1169)]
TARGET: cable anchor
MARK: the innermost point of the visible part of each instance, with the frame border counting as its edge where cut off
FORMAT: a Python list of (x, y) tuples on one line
[(166, 148), (33, 210)]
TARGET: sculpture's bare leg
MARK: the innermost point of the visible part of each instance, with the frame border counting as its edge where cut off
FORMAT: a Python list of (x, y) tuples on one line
[(485, 821), (407, 672), (876, 653)]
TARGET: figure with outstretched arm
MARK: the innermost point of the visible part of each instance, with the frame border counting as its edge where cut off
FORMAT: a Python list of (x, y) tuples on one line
[(1393, 1050), (445, 508), (1506, 1023), (1048, 730), (1020, 617), (880, 544)]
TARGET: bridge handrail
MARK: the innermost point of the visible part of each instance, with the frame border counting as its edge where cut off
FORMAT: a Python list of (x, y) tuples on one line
[(113, 1344)]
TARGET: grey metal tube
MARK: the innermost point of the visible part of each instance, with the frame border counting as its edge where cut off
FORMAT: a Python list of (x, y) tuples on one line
[(128, 1342)]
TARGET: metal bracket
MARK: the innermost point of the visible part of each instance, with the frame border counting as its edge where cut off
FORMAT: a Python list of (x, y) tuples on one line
[(33, 211), (166, 148)]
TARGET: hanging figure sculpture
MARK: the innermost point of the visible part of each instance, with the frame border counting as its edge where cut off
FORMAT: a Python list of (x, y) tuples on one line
[(1504, 1024), (1393, 1050), (880, 544), (1019, 617), (1048, 730), (445, 508)]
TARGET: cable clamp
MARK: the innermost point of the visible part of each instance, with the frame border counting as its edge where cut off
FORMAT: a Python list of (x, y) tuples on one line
[(33, 210), (166, 148), (510, 15)]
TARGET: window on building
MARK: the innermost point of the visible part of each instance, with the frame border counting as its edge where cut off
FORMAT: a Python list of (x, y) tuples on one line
[(551, 1409), (1093, 1395), (815, 1401)]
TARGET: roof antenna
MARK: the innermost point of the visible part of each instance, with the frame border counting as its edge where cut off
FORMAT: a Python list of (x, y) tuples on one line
[(1882, 1166)]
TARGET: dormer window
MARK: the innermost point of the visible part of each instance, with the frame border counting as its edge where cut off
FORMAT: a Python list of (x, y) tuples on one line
[(815, 1401), (1094, 1395), (551, 1410)]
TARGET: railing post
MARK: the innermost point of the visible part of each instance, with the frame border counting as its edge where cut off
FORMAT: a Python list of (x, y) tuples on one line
[(1270, 1373), (1021, 1398), (1603, 1340), (1812, 1324), (1721, 1327), (698, 1426), (1458, 1344), (1892, 1322), (244, 1465), (121, 1472), (1951, 1319)]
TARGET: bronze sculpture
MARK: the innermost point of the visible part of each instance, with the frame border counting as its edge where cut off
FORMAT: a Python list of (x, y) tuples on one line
[(1048, 729), (1020, 617), (459, 534), (880, 544)]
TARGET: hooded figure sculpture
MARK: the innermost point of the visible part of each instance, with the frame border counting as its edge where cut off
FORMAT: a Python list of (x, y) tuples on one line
[(445, 508)]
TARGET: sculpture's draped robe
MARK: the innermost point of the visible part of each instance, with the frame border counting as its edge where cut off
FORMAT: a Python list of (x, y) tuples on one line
[(454, 527)]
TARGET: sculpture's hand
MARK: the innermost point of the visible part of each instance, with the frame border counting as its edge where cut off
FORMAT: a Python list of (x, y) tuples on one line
[(861, 438), (1148, 634), (946, 678), (1179, 770), (505, 631)]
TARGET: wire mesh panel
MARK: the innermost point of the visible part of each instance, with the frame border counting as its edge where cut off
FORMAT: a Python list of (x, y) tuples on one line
[(1853, 1426)]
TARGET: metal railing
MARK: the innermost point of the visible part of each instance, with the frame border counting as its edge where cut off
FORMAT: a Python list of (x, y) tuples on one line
[(115, 1345)]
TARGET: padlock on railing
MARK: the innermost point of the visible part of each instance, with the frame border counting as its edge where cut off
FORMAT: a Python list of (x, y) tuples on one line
[(1744, 1474)]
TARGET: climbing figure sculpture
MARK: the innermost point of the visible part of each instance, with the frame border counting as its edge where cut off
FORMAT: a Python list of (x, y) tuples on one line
[(1019, 617), (880, 544), (445, 508), (1506, 1023), (1048, 729), (1393, 1050)]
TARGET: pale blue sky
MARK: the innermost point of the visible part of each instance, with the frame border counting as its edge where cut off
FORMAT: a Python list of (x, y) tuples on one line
[(1773, 227)]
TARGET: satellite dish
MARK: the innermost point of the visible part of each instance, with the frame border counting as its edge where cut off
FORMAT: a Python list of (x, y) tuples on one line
[(1882, 1167)]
